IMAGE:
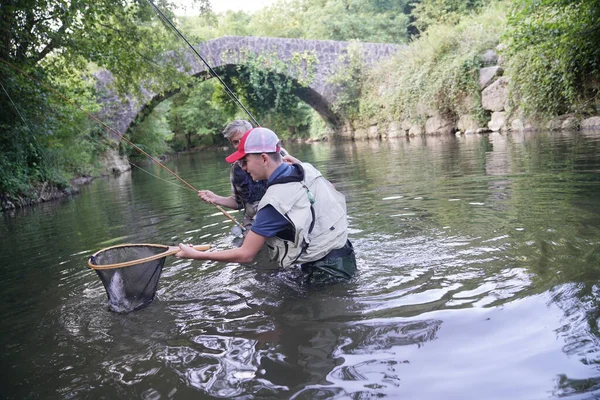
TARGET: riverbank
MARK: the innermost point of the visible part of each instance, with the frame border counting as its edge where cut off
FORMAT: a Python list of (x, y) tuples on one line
[(42, 193), (486, 105)]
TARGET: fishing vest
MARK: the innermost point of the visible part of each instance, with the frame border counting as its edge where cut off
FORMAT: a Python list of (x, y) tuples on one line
[(316, 211)]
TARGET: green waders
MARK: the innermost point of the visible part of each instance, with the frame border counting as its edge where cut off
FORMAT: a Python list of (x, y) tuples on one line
[(338, 265)]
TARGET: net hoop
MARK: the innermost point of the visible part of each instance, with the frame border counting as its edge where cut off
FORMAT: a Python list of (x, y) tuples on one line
[(203, 247)]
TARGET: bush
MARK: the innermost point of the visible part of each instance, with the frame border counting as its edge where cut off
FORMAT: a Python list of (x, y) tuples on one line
[(436, 73), (553, 52)]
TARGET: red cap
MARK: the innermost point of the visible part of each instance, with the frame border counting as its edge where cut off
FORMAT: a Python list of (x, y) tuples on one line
[(256, 141)]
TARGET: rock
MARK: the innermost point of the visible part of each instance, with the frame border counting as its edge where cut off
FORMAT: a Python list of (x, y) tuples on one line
[(570, 124), (555, 124), (113, 162), (467, 123), (361, 134), (490, 57), (8, 205), (372, 132), (498, 121), (520, 125), (488, 75), (347, 131), (394, 130), (499, 49), (438, 124), (495, 96), (517, 125), (415, 130), (592, 123)]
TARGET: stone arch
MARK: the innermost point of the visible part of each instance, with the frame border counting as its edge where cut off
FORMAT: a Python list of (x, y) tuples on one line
[(229, 51)]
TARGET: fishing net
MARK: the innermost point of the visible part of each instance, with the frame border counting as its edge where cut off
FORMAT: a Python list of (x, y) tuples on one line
[(130, 273)]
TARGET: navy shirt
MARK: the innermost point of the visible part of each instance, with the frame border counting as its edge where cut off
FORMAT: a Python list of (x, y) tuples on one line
[(269, 222)]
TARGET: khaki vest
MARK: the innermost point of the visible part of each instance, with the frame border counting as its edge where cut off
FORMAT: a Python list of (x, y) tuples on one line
[(329, 225)]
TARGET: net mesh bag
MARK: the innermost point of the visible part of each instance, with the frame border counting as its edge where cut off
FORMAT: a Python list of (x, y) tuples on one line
[(130, 274)]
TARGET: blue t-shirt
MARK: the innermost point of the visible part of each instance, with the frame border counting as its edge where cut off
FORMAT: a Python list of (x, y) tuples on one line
[(269, 222)]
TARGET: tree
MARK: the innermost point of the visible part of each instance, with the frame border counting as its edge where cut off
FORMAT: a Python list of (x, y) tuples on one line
[(363, 20), (432, 12), (58, 43), (196, 115), (553, 55)]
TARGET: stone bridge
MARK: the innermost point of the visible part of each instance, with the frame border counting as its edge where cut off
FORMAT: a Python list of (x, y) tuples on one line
[(313, 78)]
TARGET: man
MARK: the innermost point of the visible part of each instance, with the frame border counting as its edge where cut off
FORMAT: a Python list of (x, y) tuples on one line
[(301, 217), (245, 192)]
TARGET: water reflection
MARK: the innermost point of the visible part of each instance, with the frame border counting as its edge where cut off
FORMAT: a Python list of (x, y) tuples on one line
[(479, 260)]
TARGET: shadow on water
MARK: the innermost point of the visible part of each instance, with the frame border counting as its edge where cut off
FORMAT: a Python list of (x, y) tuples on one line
[(479, 262)]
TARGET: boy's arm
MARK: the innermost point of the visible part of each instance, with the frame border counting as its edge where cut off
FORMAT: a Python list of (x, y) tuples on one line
[(245, 254)]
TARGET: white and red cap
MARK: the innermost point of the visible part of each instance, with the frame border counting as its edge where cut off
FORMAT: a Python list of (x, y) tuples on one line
[(256, 141)]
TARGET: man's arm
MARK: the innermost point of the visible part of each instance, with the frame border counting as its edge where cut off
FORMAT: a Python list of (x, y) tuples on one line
[(210, 197), (244, 254)]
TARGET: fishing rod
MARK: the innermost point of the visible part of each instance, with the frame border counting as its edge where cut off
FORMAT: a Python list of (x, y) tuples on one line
[(119, 135), (212, 71)]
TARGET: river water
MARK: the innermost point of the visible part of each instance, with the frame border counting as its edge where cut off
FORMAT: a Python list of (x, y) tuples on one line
[(479, 262)]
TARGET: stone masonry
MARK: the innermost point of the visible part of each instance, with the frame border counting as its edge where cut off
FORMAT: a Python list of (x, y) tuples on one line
[(229, 51)]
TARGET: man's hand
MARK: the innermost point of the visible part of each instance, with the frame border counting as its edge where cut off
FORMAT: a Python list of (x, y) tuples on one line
[(291, 160), (207, 196)]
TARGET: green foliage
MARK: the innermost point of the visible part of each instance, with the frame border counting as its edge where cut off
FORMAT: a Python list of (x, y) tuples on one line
[(40, 133), (44, 137), (194, 114), (446, 12), (349, 79), (317, 129), (367, 21), (265, 86), (151, 134), (363, 20), (437, 73), (553, 55)]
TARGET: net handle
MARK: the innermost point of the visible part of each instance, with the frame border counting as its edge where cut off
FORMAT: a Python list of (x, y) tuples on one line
[(200, 247)]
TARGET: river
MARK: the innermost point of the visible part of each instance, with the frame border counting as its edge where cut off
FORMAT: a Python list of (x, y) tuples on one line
[(479, 259)]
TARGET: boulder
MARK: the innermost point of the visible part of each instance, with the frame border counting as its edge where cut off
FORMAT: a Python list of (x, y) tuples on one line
[(498, 121), (415, 130), (592, 123), (495, 96), (467, 123), (394, 130), (490, 57), (570, 124), (439, 125), (113, 162), (361, 134), (488, 75), (555, 124)]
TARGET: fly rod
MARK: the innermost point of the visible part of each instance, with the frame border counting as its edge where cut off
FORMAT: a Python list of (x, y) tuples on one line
[(212, 71)]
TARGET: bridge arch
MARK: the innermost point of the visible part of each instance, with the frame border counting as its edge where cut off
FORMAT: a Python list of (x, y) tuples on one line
[(230, 51)]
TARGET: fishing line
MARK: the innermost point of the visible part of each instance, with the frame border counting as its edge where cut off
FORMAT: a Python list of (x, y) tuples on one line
[(212, 71), (112, 130), (158, 177)]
